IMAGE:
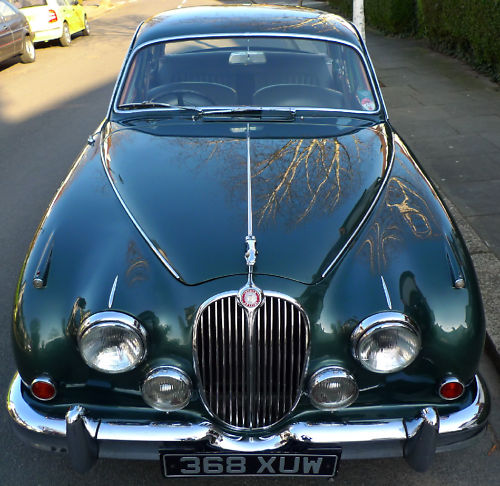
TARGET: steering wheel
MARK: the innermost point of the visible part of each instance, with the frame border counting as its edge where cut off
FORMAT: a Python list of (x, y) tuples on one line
[(182, 97)]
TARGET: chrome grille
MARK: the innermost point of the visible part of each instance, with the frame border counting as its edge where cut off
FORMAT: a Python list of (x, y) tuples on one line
[(251, 378)]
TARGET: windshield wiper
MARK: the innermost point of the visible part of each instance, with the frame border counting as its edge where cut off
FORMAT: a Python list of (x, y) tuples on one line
[(153, 104), (250, 112)]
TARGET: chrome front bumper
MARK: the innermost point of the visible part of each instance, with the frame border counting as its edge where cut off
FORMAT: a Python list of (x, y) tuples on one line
[(139, 440)]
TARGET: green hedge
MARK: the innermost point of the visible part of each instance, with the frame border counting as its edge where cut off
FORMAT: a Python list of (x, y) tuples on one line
[(343, 7), (469, 29), (390, 16)]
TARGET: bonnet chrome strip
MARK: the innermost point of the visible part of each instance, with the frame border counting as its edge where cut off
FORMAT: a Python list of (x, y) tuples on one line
[(112, 293), (368, 213), (249, 185), (105, 158), (250, 240), (386, 292)]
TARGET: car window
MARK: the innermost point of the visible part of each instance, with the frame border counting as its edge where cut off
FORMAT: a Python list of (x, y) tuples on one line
[(6, 11), (29, 3), (250, 71)]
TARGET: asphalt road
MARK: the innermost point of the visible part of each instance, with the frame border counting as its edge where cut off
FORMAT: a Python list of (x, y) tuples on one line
[(47, 110)]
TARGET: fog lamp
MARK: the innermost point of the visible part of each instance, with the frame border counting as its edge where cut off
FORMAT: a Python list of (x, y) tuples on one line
[(332, 388), (167, 388)]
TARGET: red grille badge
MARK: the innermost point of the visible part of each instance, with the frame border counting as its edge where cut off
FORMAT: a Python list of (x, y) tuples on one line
[(250, 297)]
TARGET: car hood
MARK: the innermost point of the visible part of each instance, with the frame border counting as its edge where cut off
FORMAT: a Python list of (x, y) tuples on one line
[(189, 196)]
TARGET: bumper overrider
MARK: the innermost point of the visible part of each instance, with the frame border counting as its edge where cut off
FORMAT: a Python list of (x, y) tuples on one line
[(86, 439)]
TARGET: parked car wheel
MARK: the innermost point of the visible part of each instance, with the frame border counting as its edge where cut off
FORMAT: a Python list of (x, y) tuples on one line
[(86, 29), (28, 54), (65, 38)]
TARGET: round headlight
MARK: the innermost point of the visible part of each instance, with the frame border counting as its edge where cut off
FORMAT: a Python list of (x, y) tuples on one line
[(332, 388), (167, 388), (112, 342), (386, 342)]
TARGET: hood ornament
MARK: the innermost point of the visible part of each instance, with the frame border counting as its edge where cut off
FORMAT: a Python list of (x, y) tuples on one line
[(251, 253), (250, 296)]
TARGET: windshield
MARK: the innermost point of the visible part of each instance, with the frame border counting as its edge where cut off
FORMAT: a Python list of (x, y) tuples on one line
[(273, 72)]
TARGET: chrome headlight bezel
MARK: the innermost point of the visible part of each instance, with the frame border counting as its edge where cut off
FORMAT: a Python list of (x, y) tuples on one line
[(114, 321), (385, 321), (335, 373), (171, 372)]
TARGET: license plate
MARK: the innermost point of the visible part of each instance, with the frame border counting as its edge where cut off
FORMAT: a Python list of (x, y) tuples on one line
[(233, 464)]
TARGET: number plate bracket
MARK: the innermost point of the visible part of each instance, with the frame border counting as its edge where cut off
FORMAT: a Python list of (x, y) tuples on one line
[(313, 462)]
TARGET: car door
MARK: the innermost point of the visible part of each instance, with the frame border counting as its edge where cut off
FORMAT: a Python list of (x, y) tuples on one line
[(71, 15), (6, 39), (17, 25)]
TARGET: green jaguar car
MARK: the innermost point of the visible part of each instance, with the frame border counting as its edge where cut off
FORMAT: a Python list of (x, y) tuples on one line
[(246, 271)]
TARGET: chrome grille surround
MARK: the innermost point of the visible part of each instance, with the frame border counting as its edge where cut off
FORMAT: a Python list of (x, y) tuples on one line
[(251, 376)]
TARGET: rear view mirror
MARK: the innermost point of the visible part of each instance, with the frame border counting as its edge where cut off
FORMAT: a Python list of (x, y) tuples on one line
[(247, 57)]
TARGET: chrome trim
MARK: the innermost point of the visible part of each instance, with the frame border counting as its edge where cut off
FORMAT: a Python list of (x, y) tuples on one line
[(42, 269), (325, 374), (104, 158), (447, 380), (456, 268), (428, 415), (248, 339), (386, 292), (377, 84), (91, 138), (112, 293), (35, 427), (249, 189), (121, 73), (113, 318), (363, 56), (74, 414), (44, 379)]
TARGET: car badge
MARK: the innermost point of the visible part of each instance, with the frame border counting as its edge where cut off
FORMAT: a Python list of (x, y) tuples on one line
[(250, 297)]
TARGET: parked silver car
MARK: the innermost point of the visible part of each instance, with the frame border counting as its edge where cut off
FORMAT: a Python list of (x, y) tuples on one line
[(16, 38)]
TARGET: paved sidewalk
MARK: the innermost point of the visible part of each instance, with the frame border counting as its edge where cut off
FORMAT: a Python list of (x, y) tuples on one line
[(450, 117)]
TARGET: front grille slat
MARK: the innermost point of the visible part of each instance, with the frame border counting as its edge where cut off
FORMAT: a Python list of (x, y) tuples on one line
[(244, 403), (251, 371), (272, 357), (225, 350)]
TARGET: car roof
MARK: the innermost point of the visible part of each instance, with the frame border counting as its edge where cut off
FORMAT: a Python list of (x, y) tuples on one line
[(244, 19)]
